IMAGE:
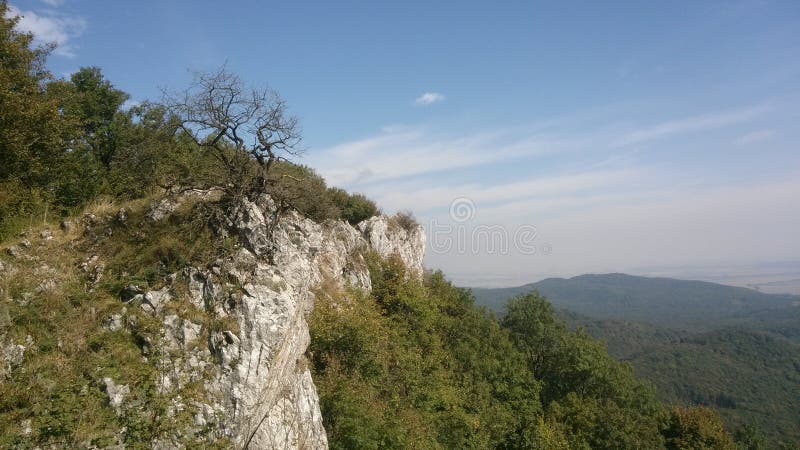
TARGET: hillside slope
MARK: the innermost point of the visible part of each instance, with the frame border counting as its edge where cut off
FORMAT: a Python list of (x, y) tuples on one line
[(750, 377), (622, 337), (700, 343)]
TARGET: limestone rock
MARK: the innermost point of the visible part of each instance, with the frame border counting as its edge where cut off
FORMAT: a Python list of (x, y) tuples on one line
[(13, 251), (154, 300), (11, 356), (260, 391), (116, 394), (115, 322), (388, 238), (161, 209)]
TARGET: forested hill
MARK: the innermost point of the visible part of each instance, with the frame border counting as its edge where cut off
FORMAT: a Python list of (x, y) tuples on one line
[(751, 377), (730, 348), (668, 302)]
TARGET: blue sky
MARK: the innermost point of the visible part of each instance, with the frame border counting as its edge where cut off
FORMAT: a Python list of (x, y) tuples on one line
[(631, 135)]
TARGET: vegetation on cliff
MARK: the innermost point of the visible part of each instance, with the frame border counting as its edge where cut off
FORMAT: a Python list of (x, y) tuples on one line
[(416, 364)]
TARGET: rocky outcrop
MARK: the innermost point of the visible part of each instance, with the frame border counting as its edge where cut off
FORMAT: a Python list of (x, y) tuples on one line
[(390, 236), (261, 394)]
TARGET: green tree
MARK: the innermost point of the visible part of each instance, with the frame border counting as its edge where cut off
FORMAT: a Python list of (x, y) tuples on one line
[(34, 133), (597, 399), (750, 437), (95, 103), (697, 428), (353, 207)]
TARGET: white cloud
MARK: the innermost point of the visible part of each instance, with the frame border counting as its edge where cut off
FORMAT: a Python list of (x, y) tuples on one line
[(50, 27), (407, 151), (429, 98), (502, 200), (754, 137), (690, 124), (602, 202), (54, 3)]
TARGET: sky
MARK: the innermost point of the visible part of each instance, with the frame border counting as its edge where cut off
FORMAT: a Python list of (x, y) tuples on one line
[(530, 139)]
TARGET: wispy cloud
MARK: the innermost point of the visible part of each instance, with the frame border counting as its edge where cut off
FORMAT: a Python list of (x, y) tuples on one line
[(410, 151), (50, 27), (754, 137), (429, 98), (691, 124), (53, 3), (402, 151), (543, 192), (591, 191)]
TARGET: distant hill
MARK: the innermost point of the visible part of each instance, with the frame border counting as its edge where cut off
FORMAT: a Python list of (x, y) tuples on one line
[(666, 302)]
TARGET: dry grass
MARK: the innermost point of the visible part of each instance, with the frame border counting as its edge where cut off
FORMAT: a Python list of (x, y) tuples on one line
[(56, 309)]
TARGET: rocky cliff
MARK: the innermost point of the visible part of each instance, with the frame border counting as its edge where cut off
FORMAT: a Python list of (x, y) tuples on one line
[(266, 397), (242, 377)]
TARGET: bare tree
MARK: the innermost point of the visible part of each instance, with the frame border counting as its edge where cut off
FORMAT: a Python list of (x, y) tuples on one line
[(238, 124)]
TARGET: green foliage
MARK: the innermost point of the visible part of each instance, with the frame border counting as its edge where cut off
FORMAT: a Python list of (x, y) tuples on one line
[(750, 437), (696, 428), (622, 337), (751, 377), (67, 142), (748, 372), (665, 302), (404, 220), (415, 365), (353, 208), (580, 380), (93, 102), (34, 134), (301, 188)]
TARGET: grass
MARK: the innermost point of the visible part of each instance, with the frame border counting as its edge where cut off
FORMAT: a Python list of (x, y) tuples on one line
[(54, 307)]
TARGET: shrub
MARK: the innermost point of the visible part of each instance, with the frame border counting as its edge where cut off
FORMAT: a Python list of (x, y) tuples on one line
[(353, 208), (303, 189), (404, 220)]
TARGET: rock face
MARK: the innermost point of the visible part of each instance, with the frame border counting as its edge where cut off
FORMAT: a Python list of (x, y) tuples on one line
[(388, 237), (261, 392)]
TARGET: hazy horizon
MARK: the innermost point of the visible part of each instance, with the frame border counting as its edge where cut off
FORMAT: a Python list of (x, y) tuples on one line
[(772, 278)]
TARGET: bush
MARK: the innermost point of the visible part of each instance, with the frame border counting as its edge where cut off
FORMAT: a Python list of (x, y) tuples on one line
[(404, 220), (697, 427), (353, 208), (303, 189)]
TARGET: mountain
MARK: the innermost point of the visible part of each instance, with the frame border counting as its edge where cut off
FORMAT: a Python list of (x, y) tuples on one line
[(666, 302)]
